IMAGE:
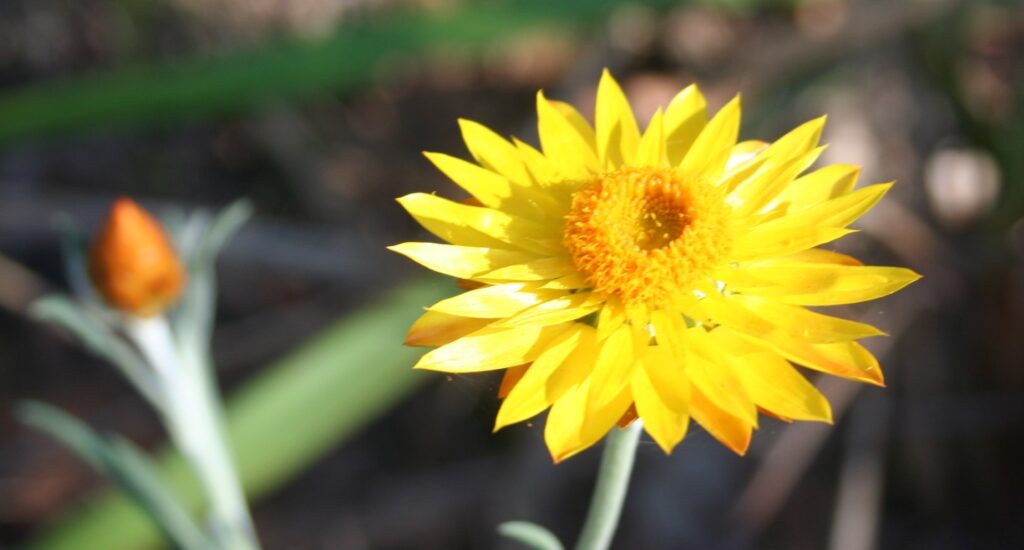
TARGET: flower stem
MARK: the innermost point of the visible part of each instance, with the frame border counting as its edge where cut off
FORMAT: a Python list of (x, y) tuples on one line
[(611, 487), (194, 420)]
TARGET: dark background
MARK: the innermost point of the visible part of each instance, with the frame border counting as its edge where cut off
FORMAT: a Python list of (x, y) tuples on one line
[(188, 103)]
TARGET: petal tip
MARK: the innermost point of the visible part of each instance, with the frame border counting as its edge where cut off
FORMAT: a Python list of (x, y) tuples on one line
[(498, 425), (558, 457), (420, 365), (666, 447)]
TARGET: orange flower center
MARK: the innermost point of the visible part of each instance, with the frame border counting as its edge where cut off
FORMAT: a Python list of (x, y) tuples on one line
[(646, 235)]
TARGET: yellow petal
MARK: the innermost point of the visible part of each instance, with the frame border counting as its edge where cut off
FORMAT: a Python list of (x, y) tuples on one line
[(841, 359), (546, 173), (510, 378), (651, 151), (615, 362), (798, 141), (571, 281), (767, 241), (710, 152), (540, 167), (533, 270), (434, 328), (490, 349), (558, 310), (563, 143), (685, 117), (536, 391), (578, 366), (578, 122), (775, 385), (743, 153), (745, 161), (494, 152), (466, 225), (726, 428), (564, 422), (819, 284), (820, 185), (712, 371), (616, 129), (492, 189), (463, 262), (759, 190), (854, 357), (838, 212), (610, 318), (819, 256), (495, 301), (571, 428), (661, 393), (669, 330), (807, 325)]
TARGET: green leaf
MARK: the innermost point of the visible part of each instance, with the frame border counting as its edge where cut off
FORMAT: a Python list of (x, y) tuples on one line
[(124, 465), (530, 534), (282, 421)]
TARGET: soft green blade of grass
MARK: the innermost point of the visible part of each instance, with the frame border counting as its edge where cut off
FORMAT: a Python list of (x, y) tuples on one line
[(347, 59), (285, 419)]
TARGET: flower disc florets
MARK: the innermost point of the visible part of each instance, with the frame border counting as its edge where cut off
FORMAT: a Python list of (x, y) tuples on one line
[(645, 234)]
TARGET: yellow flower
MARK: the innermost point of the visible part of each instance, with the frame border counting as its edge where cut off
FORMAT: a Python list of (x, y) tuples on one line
[(662, 274), (132, 263)]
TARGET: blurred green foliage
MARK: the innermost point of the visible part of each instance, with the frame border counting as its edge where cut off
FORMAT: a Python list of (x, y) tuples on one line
[(285, 419), (299, 68)]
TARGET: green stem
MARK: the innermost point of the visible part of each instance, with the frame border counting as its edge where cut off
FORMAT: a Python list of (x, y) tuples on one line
[(611, 487)]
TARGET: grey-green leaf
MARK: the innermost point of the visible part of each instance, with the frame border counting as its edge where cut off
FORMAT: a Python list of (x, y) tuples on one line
[(99, 339), (193, 319), (285, 418), (124, 465)]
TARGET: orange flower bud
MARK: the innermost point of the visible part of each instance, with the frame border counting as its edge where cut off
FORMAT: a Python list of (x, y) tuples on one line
[(132, 263)]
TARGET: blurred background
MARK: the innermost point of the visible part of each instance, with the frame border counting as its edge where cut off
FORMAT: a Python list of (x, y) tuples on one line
[(317, 111)]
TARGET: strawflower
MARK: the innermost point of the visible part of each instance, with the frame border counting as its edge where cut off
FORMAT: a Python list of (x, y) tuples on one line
[(132, 263), (661, 274)]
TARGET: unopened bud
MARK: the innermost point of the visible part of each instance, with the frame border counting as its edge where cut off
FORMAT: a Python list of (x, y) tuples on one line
[(132, 263)]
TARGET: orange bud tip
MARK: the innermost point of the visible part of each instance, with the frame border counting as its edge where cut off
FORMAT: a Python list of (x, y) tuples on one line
[(132, 263)]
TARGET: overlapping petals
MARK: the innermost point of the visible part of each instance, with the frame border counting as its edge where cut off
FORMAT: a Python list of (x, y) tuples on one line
[(719, 348)]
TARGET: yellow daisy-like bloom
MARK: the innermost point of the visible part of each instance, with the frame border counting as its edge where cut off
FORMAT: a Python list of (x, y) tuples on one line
[(662, 274)]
